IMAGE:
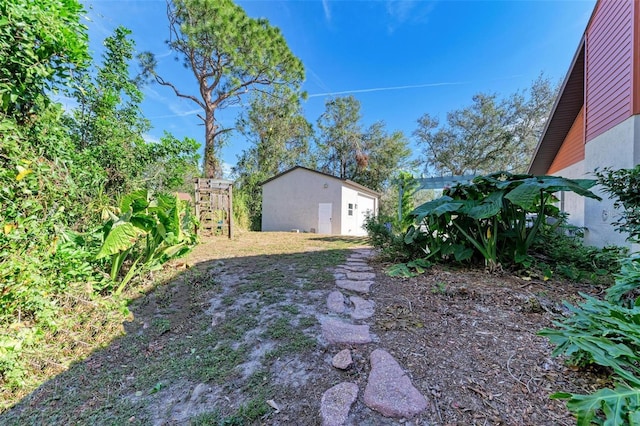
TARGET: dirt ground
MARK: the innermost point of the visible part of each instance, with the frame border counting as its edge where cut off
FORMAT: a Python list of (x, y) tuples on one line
[(235, 339)]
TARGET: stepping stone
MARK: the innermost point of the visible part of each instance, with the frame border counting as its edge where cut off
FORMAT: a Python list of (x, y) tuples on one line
[(362, 308), (342, 360), (354, 268), (363, 252), (340, 274), (360, 275), (389, 390), (337, 332), (336, 302), (358, 286), (336, 403)]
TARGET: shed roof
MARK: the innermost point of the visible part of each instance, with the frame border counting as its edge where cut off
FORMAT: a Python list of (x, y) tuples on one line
[(563, 114), (347, 182)]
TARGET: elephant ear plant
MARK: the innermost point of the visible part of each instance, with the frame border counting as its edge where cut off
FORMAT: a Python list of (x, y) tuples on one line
[(147, 232), (496, 217)]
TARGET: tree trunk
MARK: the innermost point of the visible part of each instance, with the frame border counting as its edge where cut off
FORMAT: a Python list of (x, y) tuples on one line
[(210, 162)]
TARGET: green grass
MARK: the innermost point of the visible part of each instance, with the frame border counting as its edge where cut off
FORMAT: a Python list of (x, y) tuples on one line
[(181, 346)]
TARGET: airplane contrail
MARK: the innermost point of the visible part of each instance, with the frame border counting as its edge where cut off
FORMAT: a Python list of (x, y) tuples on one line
[(380, 89)]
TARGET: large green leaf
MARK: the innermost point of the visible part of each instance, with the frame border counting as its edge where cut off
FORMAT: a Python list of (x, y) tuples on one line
[(437, 207), (527, 195), (136, 201), (489, 207), (620, 405), (121, 237)]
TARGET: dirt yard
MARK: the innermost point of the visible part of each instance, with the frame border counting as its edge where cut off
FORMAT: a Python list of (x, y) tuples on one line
[(234, 338)]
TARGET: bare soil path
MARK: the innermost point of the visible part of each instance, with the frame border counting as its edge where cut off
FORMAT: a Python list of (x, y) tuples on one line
[(237, 338)]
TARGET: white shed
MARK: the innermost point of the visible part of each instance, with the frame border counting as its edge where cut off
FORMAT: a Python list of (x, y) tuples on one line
[(311, 201)]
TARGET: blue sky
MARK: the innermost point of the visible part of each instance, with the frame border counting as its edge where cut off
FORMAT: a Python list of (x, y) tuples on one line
[(400, 59)]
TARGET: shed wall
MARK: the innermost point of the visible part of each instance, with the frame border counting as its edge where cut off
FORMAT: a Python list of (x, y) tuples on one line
[(291, 201)]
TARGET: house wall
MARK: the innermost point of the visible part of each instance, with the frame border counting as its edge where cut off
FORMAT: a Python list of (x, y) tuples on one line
[(618, 147), (570, 202), (609, 66), (572, 149), (291, 201)]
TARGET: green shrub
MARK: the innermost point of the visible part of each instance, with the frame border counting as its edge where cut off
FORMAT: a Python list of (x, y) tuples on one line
[(390, 244), (560, 249), (623, 185)]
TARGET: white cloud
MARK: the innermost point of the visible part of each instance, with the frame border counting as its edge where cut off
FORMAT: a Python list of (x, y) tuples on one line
[(381, 89), (150, 139), (327, 11)]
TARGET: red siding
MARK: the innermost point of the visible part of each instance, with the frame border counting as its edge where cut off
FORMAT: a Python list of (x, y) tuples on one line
[(572, 149), (609, 97), (636, 56)]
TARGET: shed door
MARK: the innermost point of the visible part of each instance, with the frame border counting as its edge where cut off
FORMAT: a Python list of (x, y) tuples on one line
[(324, 218), (366, 208)]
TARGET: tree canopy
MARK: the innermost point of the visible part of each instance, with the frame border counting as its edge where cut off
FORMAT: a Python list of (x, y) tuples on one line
[(489, 135), (42, 45), (229, 53), (368, 156)]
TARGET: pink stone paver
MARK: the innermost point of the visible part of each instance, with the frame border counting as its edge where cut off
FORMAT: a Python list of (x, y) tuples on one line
[(355, 285), (342, 360), (335, 302), (337, 332), (336, 403), (362, 308), (360, 275), (389, 390)]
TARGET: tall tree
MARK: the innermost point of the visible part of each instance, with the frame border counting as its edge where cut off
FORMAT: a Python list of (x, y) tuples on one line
[(368, 156), (279, 136), (108, 122), (340, 138), (491, 134), (228, 53)]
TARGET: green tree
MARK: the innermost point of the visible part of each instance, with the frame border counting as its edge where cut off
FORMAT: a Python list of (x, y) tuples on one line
[(42, 44), (279, 136), (385, 153), (108, 123), (369, 157), (228, 53), (490, 135), (173, 164), (340, 138)]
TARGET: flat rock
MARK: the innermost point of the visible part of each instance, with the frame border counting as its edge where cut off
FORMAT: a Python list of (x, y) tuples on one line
[(336, 331), (360, 275), (336, 302), (342, 360), (389, 390), (362, 308), (363, 252), (340, 275), (336, 403), (350, 267), (353, 285)]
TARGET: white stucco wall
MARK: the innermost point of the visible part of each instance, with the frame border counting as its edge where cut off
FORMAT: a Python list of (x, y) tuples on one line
[(291, 201), (610, 149), (573, 203)]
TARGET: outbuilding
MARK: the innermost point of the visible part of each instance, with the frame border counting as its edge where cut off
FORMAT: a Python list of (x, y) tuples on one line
[(306, 200)]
